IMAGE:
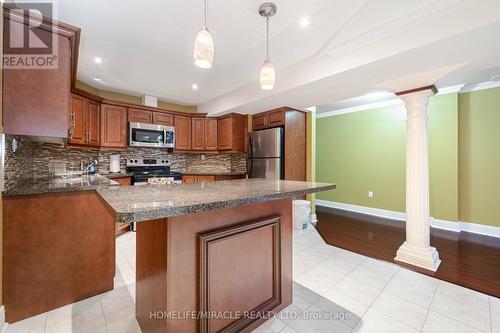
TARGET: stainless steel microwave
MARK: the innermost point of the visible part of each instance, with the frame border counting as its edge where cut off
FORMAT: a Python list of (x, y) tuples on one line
[(150, 135)]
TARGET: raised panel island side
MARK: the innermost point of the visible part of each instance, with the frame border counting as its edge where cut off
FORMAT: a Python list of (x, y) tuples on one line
[(211, 257)]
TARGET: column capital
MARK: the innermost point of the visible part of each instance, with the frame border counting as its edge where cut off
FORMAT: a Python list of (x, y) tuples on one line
[(416, 103)]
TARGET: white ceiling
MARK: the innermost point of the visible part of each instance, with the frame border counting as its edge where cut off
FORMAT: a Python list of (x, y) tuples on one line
[(351, 47)]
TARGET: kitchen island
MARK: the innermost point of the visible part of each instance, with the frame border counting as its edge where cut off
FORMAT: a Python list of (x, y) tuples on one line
[(211, 257)]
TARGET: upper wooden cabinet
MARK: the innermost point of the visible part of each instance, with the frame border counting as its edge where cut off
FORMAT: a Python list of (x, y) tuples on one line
[(182, 132), (150, 117), (84, 122), (113, 126), (197, 133), (203, 134), (210, 133), (232, 132), (36, 101), (269, 119), (140, 116), (163, 118)]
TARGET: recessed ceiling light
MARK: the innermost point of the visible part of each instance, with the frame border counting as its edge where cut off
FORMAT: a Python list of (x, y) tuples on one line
[(97, 60), (305, 22), (194, 86)]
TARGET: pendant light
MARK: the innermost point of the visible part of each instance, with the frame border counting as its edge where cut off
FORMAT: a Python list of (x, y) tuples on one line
[(203, 50), (267, 73)]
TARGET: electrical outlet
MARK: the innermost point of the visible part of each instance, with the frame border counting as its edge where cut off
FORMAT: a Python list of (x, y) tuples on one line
[(370, 194), (203, 157)]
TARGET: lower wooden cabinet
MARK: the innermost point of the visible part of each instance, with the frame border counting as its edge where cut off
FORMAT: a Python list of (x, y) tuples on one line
[(190, 179)]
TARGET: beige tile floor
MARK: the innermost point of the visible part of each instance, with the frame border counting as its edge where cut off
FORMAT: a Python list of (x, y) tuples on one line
[(375, 296)]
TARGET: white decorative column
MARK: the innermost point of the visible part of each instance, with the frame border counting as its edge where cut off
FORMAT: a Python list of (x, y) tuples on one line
[(416, 250)]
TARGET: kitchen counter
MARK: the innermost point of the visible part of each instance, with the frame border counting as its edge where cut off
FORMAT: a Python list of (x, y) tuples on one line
[(31, 186), (142, 203)]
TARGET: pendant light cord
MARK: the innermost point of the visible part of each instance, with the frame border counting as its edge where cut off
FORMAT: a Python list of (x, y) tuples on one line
[(267, 39), (205, 13)]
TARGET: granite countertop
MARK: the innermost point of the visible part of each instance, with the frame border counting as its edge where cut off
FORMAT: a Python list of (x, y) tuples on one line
[(142, 203), (54, 185)]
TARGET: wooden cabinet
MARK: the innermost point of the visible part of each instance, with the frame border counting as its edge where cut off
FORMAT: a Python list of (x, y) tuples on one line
[(232, 132), (94, 124), (123, 181), (84, 122), (35, 101), (77, 121), (182, 132), (197, 133), (203, 134), (140, 116), (163, 119), (190, 179), (269, 119), (113, 126), (294, 123), (210, 134), (150, 117)]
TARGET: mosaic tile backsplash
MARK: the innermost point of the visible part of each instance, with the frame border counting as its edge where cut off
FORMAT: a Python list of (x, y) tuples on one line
[(31, 159)]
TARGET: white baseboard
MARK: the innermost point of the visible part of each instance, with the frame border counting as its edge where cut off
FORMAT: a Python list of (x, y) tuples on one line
[(479, 229), (388, 214), (399, 216)]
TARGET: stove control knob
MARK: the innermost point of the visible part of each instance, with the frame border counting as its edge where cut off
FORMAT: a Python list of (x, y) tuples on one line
[(131, 161), (135, 161)]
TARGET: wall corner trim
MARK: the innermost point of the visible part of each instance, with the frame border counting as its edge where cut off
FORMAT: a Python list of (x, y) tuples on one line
[(400, 216)]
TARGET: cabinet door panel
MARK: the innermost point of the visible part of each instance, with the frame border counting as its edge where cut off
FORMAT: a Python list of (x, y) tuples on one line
[(189, 179), (276, 118), (205, 178), (182, 132), (37, 101), (210, 134), (140, 116), (163, 119), (259, 121), (198, 133), (94, 124), (224, 133), (77, 121), (114, 126)]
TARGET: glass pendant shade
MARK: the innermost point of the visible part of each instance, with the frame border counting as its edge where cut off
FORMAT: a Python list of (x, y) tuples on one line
[(203, 51), (267, 75)]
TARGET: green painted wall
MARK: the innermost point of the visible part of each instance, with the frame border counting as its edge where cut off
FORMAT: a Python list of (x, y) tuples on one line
[(365, 151), (479, 157)]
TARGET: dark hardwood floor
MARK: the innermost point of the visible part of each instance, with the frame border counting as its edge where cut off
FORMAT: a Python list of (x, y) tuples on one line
[(467, 259)]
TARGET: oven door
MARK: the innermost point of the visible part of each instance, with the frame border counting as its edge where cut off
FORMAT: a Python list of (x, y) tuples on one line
[(147, 135)]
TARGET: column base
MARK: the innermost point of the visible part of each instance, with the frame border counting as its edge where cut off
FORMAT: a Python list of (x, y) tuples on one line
[(427, 258)]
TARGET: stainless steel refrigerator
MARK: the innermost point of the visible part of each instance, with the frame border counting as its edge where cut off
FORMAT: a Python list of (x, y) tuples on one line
[(266, 154)]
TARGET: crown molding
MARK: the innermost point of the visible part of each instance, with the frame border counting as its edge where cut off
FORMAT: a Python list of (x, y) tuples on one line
[(391, 102), (480, 86), (450, 90)]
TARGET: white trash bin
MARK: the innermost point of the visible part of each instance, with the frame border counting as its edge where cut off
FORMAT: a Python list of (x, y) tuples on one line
[(300, 214)]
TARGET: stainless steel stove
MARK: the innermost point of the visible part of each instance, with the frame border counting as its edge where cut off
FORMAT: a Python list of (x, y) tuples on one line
[(145, 168)]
